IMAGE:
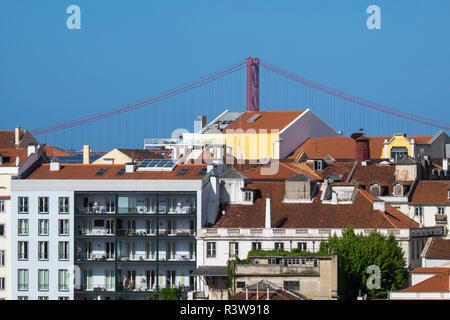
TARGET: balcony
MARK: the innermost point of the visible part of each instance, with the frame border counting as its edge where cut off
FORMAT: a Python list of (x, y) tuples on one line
[(161, 233), (100, 210), (441, 218), (95, 232), (177, 257), (104, 257), (138, 210)]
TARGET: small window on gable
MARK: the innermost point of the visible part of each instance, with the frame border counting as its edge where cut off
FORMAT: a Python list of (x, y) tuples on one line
[(398, 190), (375, 190), (248, 196), (318, 165)]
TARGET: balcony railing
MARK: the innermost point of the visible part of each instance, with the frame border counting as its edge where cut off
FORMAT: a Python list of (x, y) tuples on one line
[(95, 257), (441, 218), (135, 210), (95, 232)]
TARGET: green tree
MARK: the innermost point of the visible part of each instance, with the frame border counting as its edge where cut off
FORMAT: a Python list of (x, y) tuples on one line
[(167, 294), (357, 252)]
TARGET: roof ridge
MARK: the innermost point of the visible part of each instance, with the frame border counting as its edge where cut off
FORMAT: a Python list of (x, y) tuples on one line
[(385, 213)]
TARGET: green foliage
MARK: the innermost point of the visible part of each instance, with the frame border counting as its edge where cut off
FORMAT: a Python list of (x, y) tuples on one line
[(357, 252), (167, 294), (445, 231)]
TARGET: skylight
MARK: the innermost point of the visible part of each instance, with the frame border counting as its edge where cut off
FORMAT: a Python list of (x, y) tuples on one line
[(121, 172), (202, 172), (254, 117), (101, 172), (182, 171)]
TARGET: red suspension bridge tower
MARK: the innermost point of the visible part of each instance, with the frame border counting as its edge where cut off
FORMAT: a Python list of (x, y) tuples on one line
[(252, 84)]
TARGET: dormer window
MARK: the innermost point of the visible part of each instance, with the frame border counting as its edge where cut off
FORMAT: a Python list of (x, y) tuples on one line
[(398, 190), (319, 164), (248, 196), (375, 190)]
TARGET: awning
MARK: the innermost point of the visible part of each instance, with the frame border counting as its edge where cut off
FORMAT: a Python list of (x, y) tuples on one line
[(210, 271)]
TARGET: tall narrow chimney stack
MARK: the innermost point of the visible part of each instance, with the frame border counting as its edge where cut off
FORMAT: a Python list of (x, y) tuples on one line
[(17, 136), (268, 223), (86, 154)]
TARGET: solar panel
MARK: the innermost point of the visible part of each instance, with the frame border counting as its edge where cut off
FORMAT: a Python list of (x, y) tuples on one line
[(152, 164), (101, 171), (202, 172), (182, 172)]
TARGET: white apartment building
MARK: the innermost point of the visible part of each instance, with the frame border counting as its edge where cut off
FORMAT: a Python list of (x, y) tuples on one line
[(116, 231)]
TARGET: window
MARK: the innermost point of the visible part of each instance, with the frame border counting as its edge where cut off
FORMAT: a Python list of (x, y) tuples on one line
[(210, 249), (291, 285), (2, 258), (43, 204), (63, 280), (22, 298), (43, 227), (375, 190), (22, 281), (398, 153), (63, 298), (109, 280), (256, 245), (63, 206), (418, 211), (318, 165), (240, 284), (2, 284), (441, 210), (2, 206), (398, 190), (23, 250), (23, 227), (43, 280), (279, 245), (63, 250), (42, 298), (234, 250), (110, 205), (412, 249), (301, 246), (2, 230), (23, 204), (150, 226), (248, 196), (63, 229), (43, 250)]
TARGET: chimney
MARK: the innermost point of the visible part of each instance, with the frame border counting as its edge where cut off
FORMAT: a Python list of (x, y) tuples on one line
[(54, 165), (445, 164), (130, 167), (379, 205), (86, 154), (362, 151), (17, 136), (268, 223), (31, 149)]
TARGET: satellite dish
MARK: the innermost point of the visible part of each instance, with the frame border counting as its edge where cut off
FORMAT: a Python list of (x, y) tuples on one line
[(17, 161), (265, 160), (177, 134)]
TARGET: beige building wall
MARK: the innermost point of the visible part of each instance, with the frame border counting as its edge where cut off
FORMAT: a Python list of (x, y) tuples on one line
[(316, 283), (118, 156)]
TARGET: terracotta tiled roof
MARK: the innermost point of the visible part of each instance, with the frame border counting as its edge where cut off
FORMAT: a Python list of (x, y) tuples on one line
[(432, 191), (55, 152), (360, 214), (438, 283), (439, 249), (429, 270), (383, 175), (7, 138), (83, 171), (268, 120), (9, 156), (337, 147)]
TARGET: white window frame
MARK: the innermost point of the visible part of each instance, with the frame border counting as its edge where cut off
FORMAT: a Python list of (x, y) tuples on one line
[(22, 280), (65, 227), (63, 280), (63, 250), (23, 227), (233, 249), (22, 251), (63, 205), (45, 222), (2, 284), (43, 205), (302, 245), (43, 277), (210, 249), (23, 207), (441, 210), (43, 251), (2, 258)]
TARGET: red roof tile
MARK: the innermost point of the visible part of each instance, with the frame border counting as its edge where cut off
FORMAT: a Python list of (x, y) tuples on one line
[(438, 283), (360, 214), (9, 156), (432, 191), (429, 270), (439, 249), (88, 171), (55, 152), (7, 138)]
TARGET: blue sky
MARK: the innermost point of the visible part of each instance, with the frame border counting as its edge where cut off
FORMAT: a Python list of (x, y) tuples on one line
[(128, 50)]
